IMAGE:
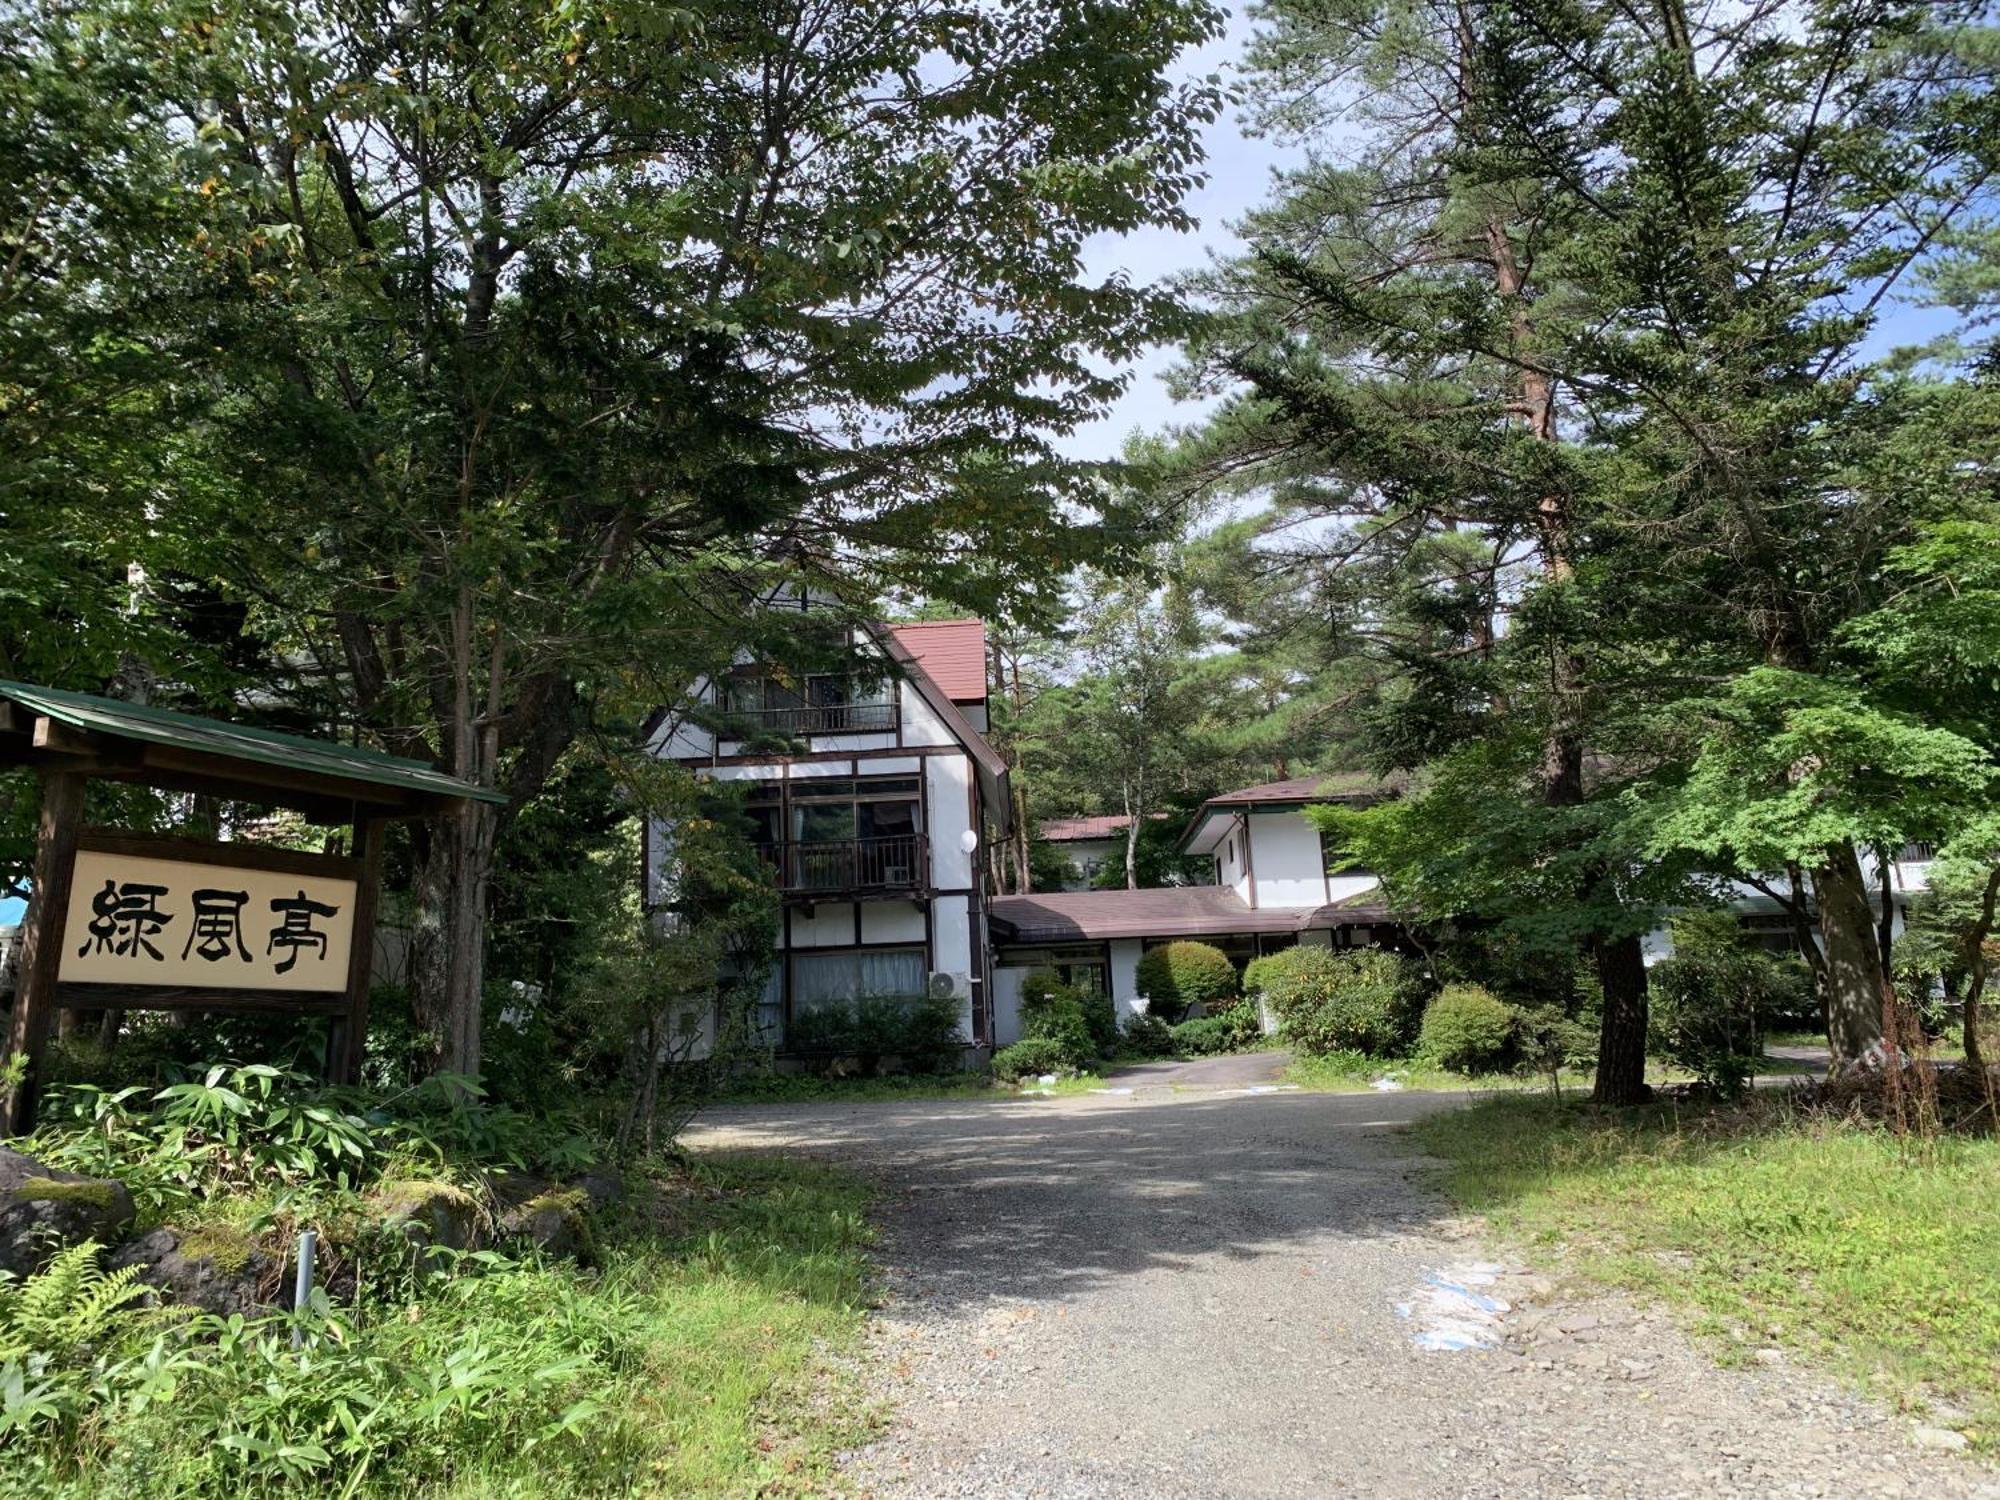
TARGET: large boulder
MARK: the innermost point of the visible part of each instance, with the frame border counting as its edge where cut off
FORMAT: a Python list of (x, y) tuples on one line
[(430, 1215), (219, 1270), (556, 1218), (43, 1210)]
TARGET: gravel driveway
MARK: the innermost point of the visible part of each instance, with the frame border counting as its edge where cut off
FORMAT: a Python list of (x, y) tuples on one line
[(1181, 1293)]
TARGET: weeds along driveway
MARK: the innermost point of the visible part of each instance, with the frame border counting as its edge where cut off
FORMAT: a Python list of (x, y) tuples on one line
[(1175, 1293)]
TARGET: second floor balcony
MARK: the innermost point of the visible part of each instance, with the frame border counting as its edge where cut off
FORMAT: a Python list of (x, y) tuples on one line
[(897, 863), (798, 720)]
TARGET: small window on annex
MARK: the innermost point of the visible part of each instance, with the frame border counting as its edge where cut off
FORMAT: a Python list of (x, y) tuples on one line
[(845, 975), (1082, 966)]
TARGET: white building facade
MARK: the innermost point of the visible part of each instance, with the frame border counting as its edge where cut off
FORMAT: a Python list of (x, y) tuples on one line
[(876, 798), (1273, 890)]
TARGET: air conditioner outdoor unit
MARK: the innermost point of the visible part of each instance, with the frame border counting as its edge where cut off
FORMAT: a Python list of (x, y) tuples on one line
[(950, 985)]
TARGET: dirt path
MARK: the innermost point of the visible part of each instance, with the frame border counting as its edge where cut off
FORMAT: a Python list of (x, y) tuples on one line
[(1237, 1070), (1184, 1294)]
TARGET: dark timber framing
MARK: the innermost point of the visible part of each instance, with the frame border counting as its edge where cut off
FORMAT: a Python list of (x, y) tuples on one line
[(71, 739)]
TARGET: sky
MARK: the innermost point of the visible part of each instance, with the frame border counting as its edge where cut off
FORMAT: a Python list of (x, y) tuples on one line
[(1239, 178), (1240, 171)]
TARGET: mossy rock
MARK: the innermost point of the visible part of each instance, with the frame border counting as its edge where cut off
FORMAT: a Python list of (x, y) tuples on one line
[(216, 1267), (43, 1210), (97, 1193), (223, 1246), (557, 1218), (432, 1215)]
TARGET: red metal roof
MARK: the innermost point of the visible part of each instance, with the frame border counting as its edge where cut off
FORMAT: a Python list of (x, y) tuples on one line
[(952, 654), (1070, 830)]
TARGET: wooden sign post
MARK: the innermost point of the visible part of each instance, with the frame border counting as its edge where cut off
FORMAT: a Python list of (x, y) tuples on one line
[(121, 921)]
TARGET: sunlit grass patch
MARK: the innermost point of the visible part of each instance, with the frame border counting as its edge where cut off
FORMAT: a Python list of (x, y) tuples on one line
[(1842, 1241)]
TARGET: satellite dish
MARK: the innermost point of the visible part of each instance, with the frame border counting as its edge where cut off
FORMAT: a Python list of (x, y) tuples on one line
[(969, 840)]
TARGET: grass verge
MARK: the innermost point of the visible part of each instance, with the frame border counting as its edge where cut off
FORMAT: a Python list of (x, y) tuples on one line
[(1353, 1073), (705, 1355), (1877, 1255)]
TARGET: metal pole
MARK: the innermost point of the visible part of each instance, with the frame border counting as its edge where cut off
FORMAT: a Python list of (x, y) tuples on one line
[(302, 1287)]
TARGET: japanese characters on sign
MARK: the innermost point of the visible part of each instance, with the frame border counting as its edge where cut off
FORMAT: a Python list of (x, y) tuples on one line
[(159, 921)]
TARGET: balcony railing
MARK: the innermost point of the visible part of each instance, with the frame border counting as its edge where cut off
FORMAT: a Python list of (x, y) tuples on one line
[(899, 862), (832, 718)]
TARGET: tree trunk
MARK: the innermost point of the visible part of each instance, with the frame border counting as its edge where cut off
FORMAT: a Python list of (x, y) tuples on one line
[(1857, 990), (1974, 948), (1024, 879), (447, 947), (1621, 1042), (1885, 921), (1023, 860), (1620, 961), (1132, 816)]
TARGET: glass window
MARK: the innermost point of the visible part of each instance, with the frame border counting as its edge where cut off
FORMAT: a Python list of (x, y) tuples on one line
[(819, 788), (822, 822), (846, 691), (1087, 977), (760, 694), (847, 974), (886, 820)]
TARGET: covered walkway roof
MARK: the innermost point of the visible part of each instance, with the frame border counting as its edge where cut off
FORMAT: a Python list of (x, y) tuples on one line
[(1170, 912)]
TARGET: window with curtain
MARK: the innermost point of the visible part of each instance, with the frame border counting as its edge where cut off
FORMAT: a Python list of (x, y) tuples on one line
[(846, 974)]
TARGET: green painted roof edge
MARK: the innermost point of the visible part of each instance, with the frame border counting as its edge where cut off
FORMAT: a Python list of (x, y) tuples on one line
[(272, 747)]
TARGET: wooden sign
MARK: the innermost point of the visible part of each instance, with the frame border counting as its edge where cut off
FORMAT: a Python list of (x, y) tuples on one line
[(124, 921), (234, 917)]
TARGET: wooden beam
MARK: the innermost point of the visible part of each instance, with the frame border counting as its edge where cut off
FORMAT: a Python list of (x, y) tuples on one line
[(73, 996), (253, 778), (42, 939), (235, 856), (53, 737), (348, 1037)]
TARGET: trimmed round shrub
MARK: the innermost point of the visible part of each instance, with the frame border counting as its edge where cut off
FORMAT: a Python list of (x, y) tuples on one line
[(1467, 1030), (1031, 1058), (1147, 1035), (1209, 1036), (1061, 1021), (1329, 1002), (1259, 972), (1179, 976)]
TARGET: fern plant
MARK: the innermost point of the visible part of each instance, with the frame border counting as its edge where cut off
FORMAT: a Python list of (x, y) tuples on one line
[(66, 1311)]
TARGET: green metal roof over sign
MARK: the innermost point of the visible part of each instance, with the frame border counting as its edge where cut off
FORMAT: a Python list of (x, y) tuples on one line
[(158, 726)]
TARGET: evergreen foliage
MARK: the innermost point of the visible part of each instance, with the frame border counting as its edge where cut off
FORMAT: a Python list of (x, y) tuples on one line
[(1328, 1002), (1467, 1030), (1175, 977)]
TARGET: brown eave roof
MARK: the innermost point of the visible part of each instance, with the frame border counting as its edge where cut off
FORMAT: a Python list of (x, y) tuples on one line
[(1176, 911), (1336, 786)]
